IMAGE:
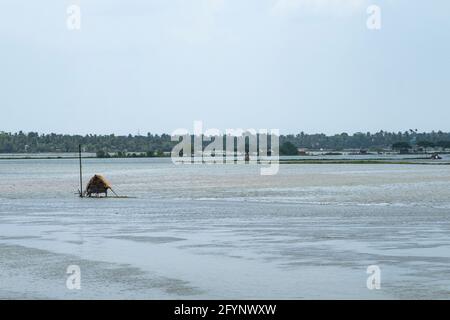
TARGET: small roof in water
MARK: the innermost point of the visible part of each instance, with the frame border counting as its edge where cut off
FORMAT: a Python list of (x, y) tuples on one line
[(99, 180)]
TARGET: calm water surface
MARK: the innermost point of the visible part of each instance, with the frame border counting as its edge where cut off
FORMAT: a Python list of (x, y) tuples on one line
[(224, 231)]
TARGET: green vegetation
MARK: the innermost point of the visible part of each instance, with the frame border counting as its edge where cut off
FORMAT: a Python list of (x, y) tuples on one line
[(426, 144), (100, 144), (155, 145), (288, 149), (401, 146)]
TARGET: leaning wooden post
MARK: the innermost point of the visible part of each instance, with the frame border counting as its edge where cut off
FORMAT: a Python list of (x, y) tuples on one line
[(81, 175)]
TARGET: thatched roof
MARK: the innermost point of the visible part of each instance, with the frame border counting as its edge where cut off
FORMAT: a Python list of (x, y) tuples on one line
[(98, 182)]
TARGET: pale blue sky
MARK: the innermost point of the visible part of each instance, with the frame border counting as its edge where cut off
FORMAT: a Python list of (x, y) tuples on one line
[(158, 65)]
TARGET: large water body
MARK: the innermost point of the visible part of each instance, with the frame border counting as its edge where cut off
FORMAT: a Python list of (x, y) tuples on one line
[(225, 231)]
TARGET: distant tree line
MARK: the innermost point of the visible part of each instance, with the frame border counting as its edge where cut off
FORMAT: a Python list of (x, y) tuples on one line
[(154, 144), (33, 142), (381, 140)]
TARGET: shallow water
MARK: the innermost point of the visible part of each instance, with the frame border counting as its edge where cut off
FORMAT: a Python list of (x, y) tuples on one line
[(224, 231)]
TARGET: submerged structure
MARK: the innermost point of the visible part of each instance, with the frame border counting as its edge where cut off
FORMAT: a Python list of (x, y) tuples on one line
[(97, 185)]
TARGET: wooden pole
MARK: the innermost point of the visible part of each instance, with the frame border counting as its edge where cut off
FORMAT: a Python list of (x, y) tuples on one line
[(114, 192), (81, 175)]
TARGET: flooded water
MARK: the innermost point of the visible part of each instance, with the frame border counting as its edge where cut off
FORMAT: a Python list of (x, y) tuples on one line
[(225, 231)]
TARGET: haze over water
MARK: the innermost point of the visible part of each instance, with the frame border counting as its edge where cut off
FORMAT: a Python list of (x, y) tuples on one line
[(224, 231)]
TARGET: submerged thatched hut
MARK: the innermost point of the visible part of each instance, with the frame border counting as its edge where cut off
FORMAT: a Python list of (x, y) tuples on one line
[(97, 185)]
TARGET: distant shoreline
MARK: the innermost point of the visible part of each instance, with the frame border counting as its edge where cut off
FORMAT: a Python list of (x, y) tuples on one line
[(373, 161), (75, 158), (322, 160)]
